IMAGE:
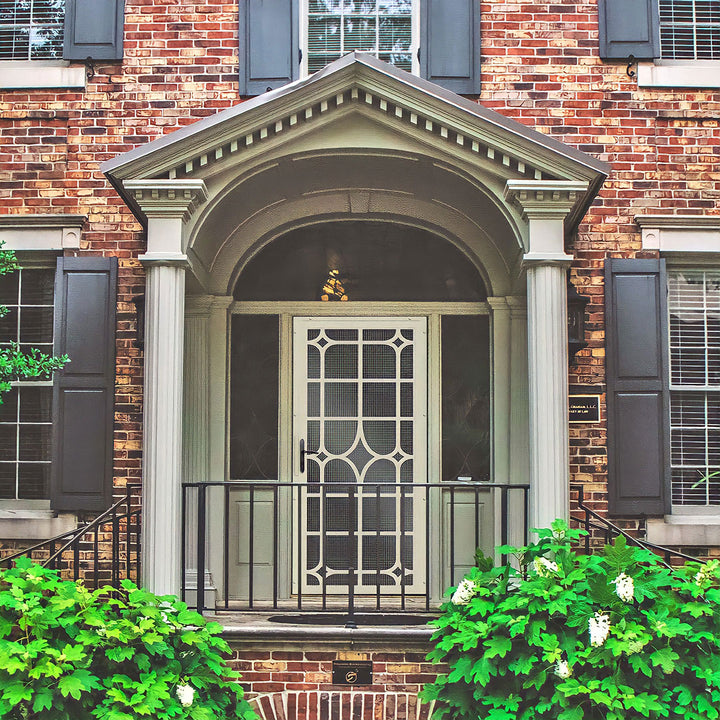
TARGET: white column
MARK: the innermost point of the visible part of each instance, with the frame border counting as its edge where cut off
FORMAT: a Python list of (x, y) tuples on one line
[(545, 205), (196, 428), (548, 386), (162, 433), (167, 205), (501, 364)]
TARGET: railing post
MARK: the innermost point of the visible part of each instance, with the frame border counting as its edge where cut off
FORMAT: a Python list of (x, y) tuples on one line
[(115, 551), (251, 549), (183, 552), (200, 601), (226, 545)]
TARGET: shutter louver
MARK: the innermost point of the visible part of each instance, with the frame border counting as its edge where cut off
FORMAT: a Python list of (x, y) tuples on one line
[(84, 392), (637, 386), (450, 44), (269, 55), (629, 27)]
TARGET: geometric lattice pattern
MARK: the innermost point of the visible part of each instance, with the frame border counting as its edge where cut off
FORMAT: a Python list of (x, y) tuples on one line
[(359, 509)]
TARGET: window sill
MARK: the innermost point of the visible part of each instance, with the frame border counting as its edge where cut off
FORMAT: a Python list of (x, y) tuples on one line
[(677, 74), (22, 523), (31, 74), (678, 530)]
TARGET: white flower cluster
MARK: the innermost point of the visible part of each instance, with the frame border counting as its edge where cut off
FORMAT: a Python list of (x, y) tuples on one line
[(624, 587), (185, 694), (562, 669), (706, 572), (544, 567), (465, 592), (599, 626)]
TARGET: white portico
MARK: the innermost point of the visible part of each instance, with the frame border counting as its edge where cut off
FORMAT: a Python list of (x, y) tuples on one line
[(359, 142)]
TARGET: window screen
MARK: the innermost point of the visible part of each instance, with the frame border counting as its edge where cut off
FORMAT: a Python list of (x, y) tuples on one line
[(31, 29), (694, 304), (26, 411), (381, 27), (690, 29), (254, 362), (465, 397)]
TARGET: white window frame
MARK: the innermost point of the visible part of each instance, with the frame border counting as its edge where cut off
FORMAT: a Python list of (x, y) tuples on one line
[(27, 73), (38, 239), (414, 43), (685, 241), (679, 73)]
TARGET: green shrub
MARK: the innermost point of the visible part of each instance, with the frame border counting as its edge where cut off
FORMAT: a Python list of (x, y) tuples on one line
[(67, 653), (611, 636)]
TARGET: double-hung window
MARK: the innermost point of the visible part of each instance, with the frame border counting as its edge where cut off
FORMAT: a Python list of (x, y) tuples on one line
[(387, 29), (26, 412), (40, 39), (31, 29), (285, 40), (694, 309), (679, 39), (690, 29)]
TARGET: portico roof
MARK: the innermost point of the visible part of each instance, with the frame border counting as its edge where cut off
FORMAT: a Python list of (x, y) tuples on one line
[(409, 105)]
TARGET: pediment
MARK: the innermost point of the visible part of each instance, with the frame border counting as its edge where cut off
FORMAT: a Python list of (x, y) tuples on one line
[(355, 102)]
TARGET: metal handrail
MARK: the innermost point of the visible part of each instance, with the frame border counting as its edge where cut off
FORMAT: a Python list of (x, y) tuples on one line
[(610, 529), (196, 493), (72, 539)]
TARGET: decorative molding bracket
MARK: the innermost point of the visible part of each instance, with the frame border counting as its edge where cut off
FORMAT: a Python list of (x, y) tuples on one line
[(167, 198), (551, 199)]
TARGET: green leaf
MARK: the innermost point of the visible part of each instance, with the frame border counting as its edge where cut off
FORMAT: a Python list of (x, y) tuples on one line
[(16, 691), (665, 658), (77, 683), (42, 700), (497, 647)]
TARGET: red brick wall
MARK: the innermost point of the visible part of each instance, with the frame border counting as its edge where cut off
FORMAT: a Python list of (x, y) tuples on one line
[(297, 683), (540, 66)]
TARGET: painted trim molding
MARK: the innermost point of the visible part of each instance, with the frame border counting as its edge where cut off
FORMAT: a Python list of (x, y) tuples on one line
[(41, 232), (680, 233), (26, 74), (701, 74)]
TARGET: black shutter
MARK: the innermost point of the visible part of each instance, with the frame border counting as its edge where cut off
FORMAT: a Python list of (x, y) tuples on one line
[(268, 54), (629, 27), (93, 28), (450, 44), (637, 386), (84, 393)]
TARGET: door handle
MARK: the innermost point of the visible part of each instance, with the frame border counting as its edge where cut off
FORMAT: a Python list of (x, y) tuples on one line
[(303, 453)]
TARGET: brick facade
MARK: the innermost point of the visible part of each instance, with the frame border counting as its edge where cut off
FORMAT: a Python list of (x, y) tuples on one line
[(540, 67)]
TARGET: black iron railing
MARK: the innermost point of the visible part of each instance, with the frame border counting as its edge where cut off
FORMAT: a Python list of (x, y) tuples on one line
[(103, 551), (326, 546), (599, 527)]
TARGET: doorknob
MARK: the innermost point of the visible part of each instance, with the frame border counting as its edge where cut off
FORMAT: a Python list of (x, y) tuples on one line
[(303, 453)]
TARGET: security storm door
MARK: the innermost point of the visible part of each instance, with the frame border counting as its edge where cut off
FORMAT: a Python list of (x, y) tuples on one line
[(360, 435)]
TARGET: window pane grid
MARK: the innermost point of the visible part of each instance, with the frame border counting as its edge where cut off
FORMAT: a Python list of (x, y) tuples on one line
[(380, 27), (694, 305), (26, 411), (690, 29), (31, 29)]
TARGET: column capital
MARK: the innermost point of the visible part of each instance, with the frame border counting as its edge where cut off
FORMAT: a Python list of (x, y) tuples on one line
[(167, 198), (203, 305), (498, 304), (550, 199)]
